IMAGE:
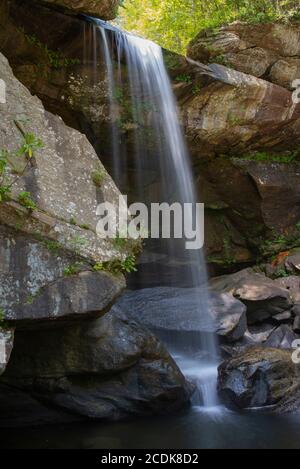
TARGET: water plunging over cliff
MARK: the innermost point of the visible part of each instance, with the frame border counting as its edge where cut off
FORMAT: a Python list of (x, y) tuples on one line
[(157, 165)]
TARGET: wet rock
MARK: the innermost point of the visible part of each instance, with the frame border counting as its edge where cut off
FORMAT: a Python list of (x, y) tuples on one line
[(282, 338), (253, 337), (108, 368), (259, 377), (105, 9), (177, 309)]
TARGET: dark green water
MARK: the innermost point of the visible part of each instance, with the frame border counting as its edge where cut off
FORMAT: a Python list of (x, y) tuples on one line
[(191, 430)]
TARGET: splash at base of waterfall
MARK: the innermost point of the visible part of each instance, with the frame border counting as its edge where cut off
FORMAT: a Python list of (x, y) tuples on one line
[(203, 373)]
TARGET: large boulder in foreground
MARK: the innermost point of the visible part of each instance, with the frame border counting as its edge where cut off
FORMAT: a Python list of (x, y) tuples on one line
[(260, 377), (185, 310), (104, 9), (108, 368)]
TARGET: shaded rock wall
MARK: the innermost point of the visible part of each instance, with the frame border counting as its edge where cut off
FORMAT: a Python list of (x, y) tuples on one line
[(228, 117), (104, 9), (108, 369)]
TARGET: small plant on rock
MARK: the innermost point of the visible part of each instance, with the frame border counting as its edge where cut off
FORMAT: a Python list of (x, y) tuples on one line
[(116, 266), (30, 144), (73, 269), (98, 177), (27, 149), (25, 199)]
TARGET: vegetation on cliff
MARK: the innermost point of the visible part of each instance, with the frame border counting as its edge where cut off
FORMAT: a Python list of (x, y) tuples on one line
[(173, 23)]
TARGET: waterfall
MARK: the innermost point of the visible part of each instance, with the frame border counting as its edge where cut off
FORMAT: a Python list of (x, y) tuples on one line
[(138, 80)]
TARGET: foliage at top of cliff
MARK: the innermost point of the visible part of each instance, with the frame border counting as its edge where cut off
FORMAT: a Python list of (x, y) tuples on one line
[(174, 23)]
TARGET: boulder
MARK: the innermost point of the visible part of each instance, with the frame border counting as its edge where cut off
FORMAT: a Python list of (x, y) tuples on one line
[(177, 309), (292, 261), (109, 368), (292, 284), (105, 9), (229, 315), (222, 118), (285, 71), (262, 50), (48, 252), (259, 378), (261, 295), (282, 338)]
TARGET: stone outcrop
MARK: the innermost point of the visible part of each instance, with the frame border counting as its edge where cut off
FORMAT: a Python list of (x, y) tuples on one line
[(263, 297), (108, 369), (260, 378), (177, 309), (262, 50), (272, 309), (104, 9), (39, 247)]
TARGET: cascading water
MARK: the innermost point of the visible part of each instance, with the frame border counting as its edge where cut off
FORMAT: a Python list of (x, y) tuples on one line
[(158, 147)]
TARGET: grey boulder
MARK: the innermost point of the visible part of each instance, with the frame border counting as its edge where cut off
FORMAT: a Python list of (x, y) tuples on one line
[(108, 368), (183, 309), (262, 296), (259, 378)]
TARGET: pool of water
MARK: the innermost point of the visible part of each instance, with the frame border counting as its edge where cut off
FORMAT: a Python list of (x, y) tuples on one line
[(194, 429), (213, 427)]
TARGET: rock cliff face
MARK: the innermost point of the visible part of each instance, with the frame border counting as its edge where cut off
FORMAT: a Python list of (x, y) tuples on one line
[(39, 244), (269, 50), (260, 378), (242, 128)]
